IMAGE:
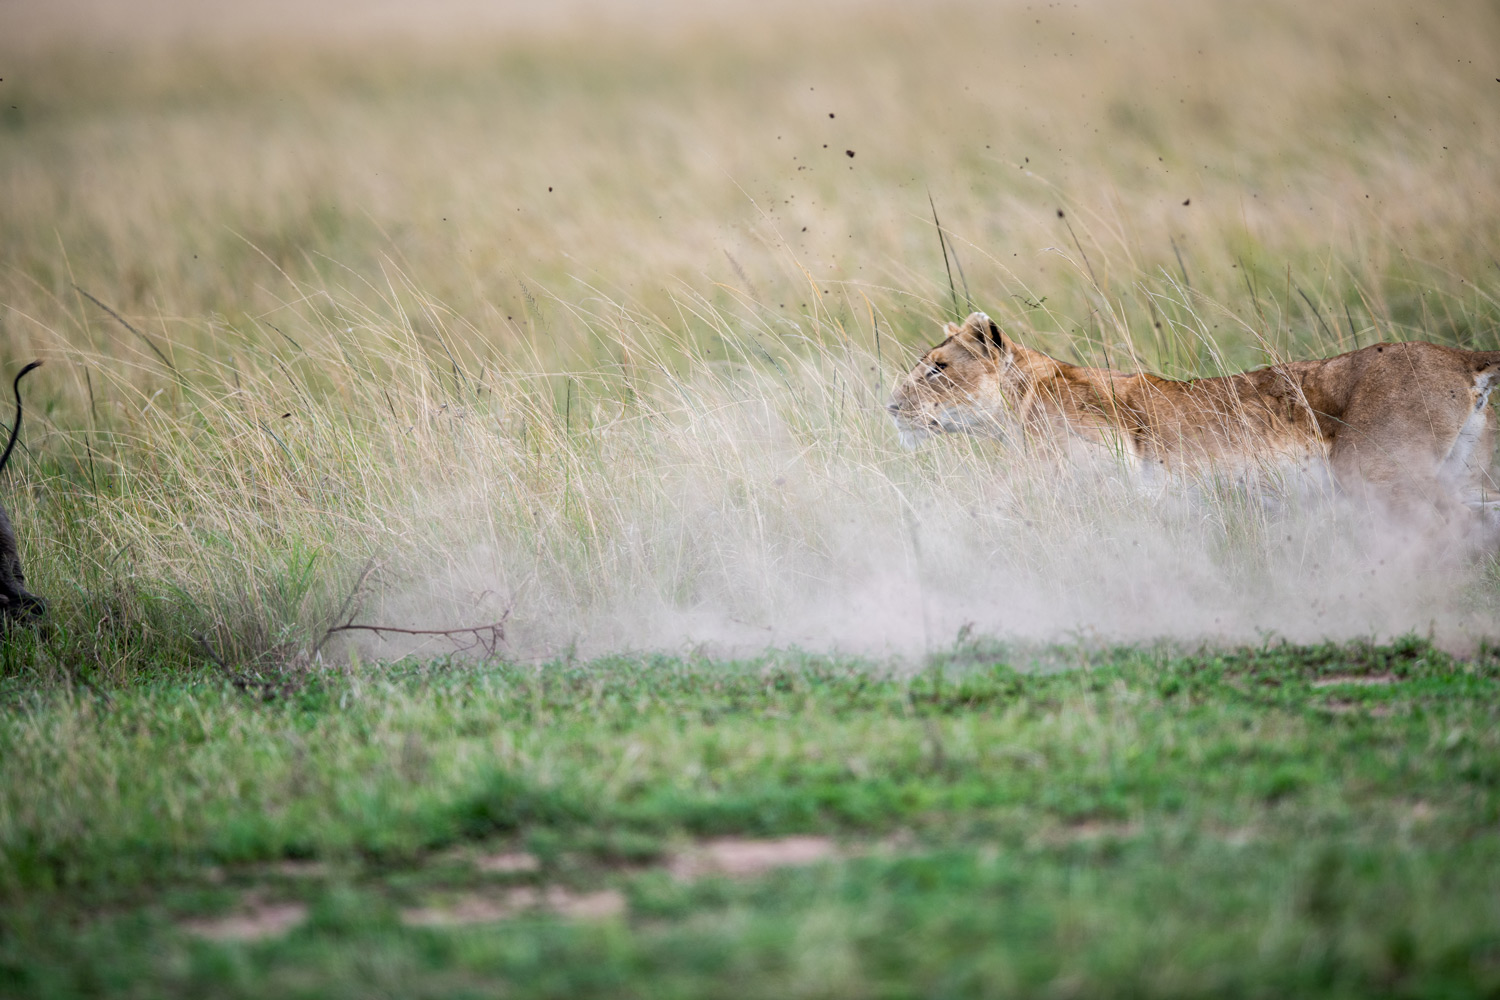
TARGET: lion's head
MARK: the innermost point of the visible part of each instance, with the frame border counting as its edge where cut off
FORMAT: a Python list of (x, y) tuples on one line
[(966, 383)]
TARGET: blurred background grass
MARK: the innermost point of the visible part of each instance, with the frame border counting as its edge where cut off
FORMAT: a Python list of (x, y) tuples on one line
[(177, 174)]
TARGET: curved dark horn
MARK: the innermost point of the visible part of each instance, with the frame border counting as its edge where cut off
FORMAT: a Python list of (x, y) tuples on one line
[(15, 431)]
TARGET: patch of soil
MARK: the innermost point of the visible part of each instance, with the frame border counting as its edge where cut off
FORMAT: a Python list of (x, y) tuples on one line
[(472, 909), (599, 905), (258, 921), (1240, 836), (507, 862), (1355, 680), (1094, 829), (1339, 706), (489, 908), (740, 857)]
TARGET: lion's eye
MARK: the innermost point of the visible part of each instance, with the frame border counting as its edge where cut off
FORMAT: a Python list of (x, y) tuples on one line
[(936, 369)]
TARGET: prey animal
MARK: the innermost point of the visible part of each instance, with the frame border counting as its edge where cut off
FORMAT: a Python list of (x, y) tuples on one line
[(16, 602)]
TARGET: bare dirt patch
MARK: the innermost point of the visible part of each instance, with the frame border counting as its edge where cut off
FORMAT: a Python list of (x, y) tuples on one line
[(472, 909), (256, 922), (1341, 706), (1420, 812), (1355, 680), (1093, 829), (488, 908), (599, 905), (507, 862), (1240, 836), (740, 858)]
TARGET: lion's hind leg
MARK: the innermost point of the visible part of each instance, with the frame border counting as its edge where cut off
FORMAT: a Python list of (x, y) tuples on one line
[(1373, 460), (1415, 454), (1468, 468)]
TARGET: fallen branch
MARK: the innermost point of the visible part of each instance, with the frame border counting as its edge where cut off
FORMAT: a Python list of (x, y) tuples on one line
[(486, 637), (350, 609)]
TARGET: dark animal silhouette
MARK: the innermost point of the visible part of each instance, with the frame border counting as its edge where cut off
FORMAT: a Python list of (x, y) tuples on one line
[(16, 602)]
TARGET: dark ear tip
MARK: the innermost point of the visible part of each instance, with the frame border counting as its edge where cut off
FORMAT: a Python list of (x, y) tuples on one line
[(990, 330)]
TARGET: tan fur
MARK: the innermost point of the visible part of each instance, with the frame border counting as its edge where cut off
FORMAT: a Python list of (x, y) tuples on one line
[(1404, 424)]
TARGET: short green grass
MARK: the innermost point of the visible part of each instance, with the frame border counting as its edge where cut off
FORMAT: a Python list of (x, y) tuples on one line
[(1267, 822)]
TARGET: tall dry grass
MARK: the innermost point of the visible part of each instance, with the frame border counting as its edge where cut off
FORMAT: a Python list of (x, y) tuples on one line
[(594, 328)]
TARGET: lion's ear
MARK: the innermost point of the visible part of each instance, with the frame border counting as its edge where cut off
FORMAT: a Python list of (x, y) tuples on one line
[(985, 333), (994, 336)]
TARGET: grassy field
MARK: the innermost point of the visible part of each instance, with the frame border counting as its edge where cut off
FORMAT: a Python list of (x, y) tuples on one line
[(1005, 822), (581, 328)]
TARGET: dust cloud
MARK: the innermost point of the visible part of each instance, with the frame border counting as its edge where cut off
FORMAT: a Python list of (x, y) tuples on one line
[(744, 539)]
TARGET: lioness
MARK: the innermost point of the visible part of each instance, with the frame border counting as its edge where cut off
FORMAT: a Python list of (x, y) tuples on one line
[(1404, 424)]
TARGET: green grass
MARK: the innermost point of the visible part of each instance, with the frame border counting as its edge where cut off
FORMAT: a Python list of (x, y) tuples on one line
[(1131, 821)]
